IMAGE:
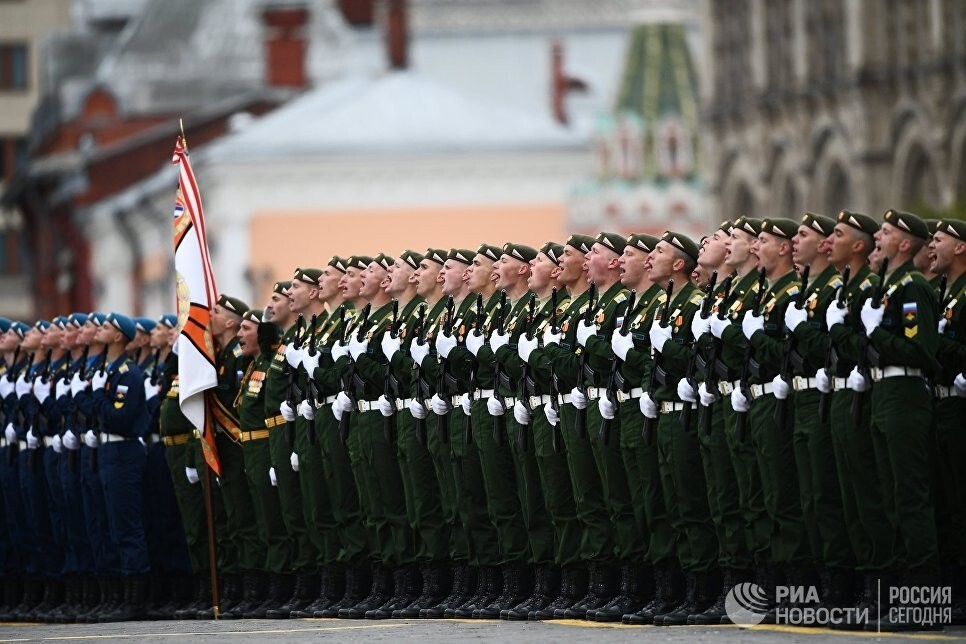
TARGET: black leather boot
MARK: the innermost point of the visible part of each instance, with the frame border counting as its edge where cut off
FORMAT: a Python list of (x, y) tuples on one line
[(431, 594), (464, 583), (200, 600), (331, 588), (358, 581), (280, 588), (601, 588), (403, 593), (251, 596), (33, 595), (703, 588), (629, 599), (573, 586), (132, 606), (99, 593), (546, 587), (668, 593), (489, 586), (53, 597), (67, 611), (12, 596), (717, 612), (516, 587), (306, 589), (379, 592), (180, 596)]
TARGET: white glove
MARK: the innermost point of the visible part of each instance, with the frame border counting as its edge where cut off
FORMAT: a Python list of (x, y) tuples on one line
[(90, 439), (57, 444), (62, 388), (659, 336), (585, 329), (192, 475), (526, 346), (752, 323), (439, 406), (739, 402), (444, 344), (294, 460), (607, 409), (718, 325), (144, 445), (42, 390), (941, 326), (498, 340), (32, 441), (466, 404), (419, 350), (686, 392), (856, 381), (390, 345), (385, 406), (795, 316), (150, 390), (357, 347), (835, 314), (271, 477), (578, 399), (707, 398), (294, 356), (782, 388), (521, 414), (6, 386), (10, 433), (70, 440), (621, 344), (339, 350), (700, 325), (99, 380), (286, 410), (552, 417), (306, 410), (822, 381), (495, 407), (475, 341), (549, 337), (648, 406), (310, 362), (341, 405), (960, 385), (77, 385), (23, 386), (871, 317), (417, 410)]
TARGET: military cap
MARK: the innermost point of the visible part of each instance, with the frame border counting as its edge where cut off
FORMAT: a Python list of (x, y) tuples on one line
[(520, 252), (583, 243), (360, 261), (860, 222), (77, 319), (785, 228), (642, 242), (411, 258), (554, 251), (43, 325), (339, 263), (97, 318), (5, 324), (281, 287), (908, 222), (932, 225), (684, 244), (307, 275), (19, 328), (122, 323), (954, 227), (490, 252), (726, 225), (254, 315), (233, 304), (462, 255), (819, 223), (437, 255), (169, 320), (61, 321), (612, 241), (145, 324), (384, 260), (748, 225)]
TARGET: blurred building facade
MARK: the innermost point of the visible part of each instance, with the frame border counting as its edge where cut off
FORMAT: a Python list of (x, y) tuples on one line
[(826, 105)]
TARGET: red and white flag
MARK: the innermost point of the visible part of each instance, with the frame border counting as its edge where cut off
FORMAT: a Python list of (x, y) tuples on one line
[(197, 297)]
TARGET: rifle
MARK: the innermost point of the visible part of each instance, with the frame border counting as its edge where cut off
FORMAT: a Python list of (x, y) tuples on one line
[(311, 389), (741, 420), (581, 421), (696, 350), (156, 366), (858, 397), (941, 291), (710, 367), (615, 367), (657, 371), (40, 420), (499, 423), (441, 387), (349, 382), (524, 391), (391, 385), (479, 327), (294, 395), (72, 453), (419, 335), (554, 389), (785, 371), (825, 399)]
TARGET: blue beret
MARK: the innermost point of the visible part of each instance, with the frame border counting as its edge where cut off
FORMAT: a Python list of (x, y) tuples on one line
[(60, 321), (123, 323), (145, 324), (5, 324), (96, 318), (169, 320), (77, 319), (20, 328), (43, 325)]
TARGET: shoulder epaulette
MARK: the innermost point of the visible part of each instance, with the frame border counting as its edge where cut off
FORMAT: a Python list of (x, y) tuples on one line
[(906, 279), (237, 351), (621, 297), (792, 290), (835, 282), (123, 368), (696, 298), (865, 285)]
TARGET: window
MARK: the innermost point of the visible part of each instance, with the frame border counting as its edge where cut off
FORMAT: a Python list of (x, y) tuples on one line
[(13, 66)]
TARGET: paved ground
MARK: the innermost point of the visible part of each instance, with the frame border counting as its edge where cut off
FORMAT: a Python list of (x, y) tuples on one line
[(430, 631)]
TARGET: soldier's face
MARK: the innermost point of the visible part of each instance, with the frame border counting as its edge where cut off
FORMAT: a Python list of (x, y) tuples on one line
[(945, 249), (840, 245), (888, 240), (9, 341), (328, 283), (350, 283), (661, 263), (599, 261), (87, 332), (713, 251), (769, 250), (301, 295), (52, 337), (571, 266), (400, 274), (32, 339), (374, 279), (277, 307), (806, 245), (479, 273), (541, 270), (248, 337), (738, 248), (633, 261), (507, 271), (426, 277), (159, 336), (68, 339), (218, 320), (452, 274)]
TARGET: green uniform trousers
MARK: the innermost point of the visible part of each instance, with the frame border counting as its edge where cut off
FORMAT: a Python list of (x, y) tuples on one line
[(304, 554), (951, 488), (558, 495), (597, 541), (320, 522), (191, 503), (644, 481), (276, 552), (540, 539), (226, 550), (237, 502), (478, 532), (757, 524), (424, 506), (340, 486)]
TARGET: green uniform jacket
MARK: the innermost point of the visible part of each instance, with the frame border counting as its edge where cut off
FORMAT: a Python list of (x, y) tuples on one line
[(769, 343), (676, 353), (251, 403), (231, 368), (952, 341), (173, 422), (276, 382), (907, 336), (550, 359), (637, 365), (733, 342), (610, 307), (811, 337), (848, 338)]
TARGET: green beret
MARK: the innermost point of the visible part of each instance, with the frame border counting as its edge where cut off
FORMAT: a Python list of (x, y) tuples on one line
[(819, 223), (522, 253), (932, 225), (411, 258), (339, 263), (785, 228), (612, 241), (642, 242), (748, 225), (726, 226), (554, 251), (437, 255), (307, 275), (860, 222), (583, 243), (684, 244), (281, 287), (490, 251), (360, 261), (462, 255), (910, 223), (233, 304), (384, 260), (954, 227), (254, 315)]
